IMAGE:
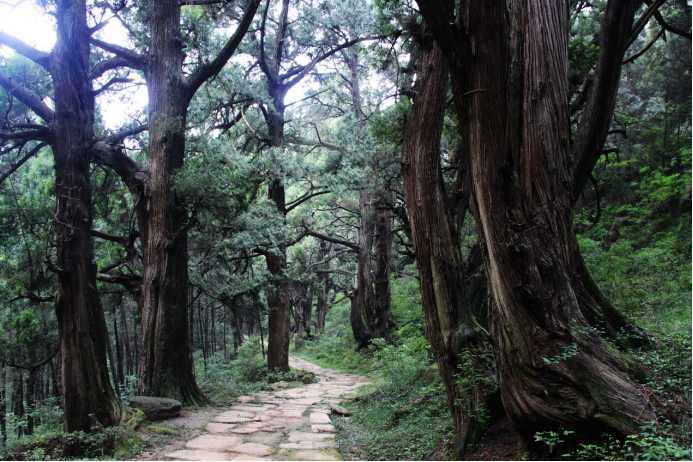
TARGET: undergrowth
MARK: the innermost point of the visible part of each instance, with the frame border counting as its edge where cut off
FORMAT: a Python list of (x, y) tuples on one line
[(403, 414)]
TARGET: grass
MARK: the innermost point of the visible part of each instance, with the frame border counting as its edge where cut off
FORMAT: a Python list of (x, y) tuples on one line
[(403, 414)]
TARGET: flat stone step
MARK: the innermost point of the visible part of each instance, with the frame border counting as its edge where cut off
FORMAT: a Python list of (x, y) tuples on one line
[(199, 454)]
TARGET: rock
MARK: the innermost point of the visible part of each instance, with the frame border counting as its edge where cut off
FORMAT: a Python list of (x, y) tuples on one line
[(339, 410), (307, 378), (156, 408), (137, 419), (279, 385)]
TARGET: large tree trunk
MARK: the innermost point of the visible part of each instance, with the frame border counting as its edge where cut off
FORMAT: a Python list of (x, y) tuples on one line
[(363, 302), (324, 281), (279, 316), (382, 314), (452, 329), (166, 367), (88, 398), (510, 86)]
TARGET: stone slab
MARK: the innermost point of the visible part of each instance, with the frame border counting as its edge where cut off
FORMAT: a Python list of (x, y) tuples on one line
[(296, 436), (309, 445), (195, 455), (213, 443), (319, 418), (214, 427), (253, 449), (315, 455), (323, 428), (246, 430)]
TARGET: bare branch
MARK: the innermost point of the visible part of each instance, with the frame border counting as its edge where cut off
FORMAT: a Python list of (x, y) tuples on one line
[(121, 135), (110, 237), (644, 19), (107, 65), (110, 83), (26, 50), (27, 98), (303, 199), (332, 239), (206, 71), (21, 162), (301, 72), (328, 259), (135, 60), (37, 365)]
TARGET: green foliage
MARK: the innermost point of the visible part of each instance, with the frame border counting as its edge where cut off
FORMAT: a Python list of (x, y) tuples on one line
[(470, 379), (226, 380), (405, 416), (568, 352)]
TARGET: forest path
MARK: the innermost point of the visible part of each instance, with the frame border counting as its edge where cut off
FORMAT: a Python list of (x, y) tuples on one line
[(286, 424)]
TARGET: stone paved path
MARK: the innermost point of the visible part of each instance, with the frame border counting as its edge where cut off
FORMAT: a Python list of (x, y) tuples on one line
[(290, 424)]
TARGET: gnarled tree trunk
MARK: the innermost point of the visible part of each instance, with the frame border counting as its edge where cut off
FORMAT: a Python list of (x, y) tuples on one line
[(88, 398), (510, 82), (453, 331)]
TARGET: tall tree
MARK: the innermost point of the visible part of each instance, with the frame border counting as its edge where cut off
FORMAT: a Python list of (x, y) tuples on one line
[(88, 397), (165, 367), (509, 66), (275, 62), (457, 338)]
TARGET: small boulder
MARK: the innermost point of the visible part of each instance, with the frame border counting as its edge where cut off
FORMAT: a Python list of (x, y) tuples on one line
[(339, 410), (279, 385), (156, 408)]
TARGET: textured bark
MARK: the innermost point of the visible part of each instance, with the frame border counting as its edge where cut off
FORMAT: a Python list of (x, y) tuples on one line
[(88, 398), (614, 40), (324, 281), (18, 399), (364, 264), (119, 352), (451, 326), (166, 368), (279, 316), (510, 82), (382, 313)]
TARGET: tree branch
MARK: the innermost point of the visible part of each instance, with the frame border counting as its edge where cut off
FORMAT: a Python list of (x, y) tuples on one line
[(22, 161), (206, 71), (107, 65), (302, 199), (129, 171), (644, 19), (121, 135), (27, 98), (110, 237), (39, 57), (334, 240), (135, 60), (111, 82), (301, 72), (328, 259), (594, 124), (37, 365)]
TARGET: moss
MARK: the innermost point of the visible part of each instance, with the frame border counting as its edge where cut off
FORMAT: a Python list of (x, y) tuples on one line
[(163, 430), (127, 443), (137, 419)]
